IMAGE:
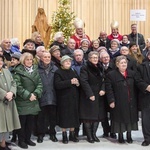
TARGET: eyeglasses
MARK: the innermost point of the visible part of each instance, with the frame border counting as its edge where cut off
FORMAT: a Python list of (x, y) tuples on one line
[(94, 57)]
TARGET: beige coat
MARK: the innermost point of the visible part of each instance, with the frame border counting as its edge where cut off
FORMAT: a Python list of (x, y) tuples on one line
[(8, 113)]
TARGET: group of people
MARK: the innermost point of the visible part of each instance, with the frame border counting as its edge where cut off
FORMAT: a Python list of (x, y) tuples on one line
[(73, 84)]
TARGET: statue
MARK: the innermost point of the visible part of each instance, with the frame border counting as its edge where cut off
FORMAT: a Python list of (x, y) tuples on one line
[(41, 25)]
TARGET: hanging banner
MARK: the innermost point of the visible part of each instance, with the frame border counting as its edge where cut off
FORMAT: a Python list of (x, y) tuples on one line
[(137, 15)]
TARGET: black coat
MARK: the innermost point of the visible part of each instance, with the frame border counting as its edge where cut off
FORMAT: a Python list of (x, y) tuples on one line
[(132, 64), (122, 91), (67, 97), (48, 95), (143, 71), (91, 79)]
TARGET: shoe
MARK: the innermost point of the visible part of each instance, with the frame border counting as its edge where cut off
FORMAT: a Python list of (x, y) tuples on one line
[(113, 135), (14, 139), (2, 148), (88, 129), (23, 145), (64, 137), (53, 138), (105, 135), (72, 137), (120, 138), (145, 143), (7, 148), (40, 139), (29, 142), (129, 138), (94, 130)]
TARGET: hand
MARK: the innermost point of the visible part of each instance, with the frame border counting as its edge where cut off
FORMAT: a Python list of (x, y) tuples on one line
[(148, 88), (101, 93), (75, 81), (92, 98), (33, 97), (112, 105), (9, 96)]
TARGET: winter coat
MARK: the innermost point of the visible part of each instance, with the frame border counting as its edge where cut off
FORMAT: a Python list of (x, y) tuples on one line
[(143, 72), (67, 98), (9, 119), (122, 91), (48, 95), (91, 79), (27, 84)]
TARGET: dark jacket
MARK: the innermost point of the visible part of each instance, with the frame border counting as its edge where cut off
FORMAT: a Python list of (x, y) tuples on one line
[(141, 41), (91, 79), (48, 95), (61, 45), (122, 91), (144, 81), (77, 66), (67, 98), (132, 64), (68, 52), (27, 84)]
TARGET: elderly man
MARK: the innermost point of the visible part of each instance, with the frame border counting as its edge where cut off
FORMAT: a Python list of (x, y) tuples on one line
[(6, 47), (107, 65), (79, 35), (114, 33), (48, 99), (70, 48), (78, 61), (134, 35), (102, 38), (39, 52)]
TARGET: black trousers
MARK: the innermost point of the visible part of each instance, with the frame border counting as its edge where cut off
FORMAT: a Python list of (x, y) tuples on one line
[(26, 121), (46, 118), (106, 126), (146, 124)]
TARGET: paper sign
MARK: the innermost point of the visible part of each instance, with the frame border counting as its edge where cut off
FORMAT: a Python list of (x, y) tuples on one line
[(137, 15)]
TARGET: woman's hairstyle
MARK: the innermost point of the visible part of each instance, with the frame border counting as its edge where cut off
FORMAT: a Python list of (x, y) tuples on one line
[(34, 35), (25, 56), (92, 53), (97, 40), (119, 58)]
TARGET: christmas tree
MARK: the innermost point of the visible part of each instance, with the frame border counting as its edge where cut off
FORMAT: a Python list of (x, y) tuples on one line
[(62, 20)]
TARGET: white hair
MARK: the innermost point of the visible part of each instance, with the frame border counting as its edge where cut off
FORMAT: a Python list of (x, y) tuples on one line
[(39, 48), (58, 35), (102, 53), (14, 41), (78, 50)]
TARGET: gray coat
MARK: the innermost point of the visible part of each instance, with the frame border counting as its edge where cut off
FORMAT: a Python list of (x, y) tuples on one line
[(49, 95), (8, 113)]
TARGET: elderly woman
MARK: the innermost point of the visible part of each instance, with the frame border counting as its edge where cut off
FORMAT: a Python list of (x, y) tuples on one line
[(59, 40), (85, 46), (66, 83), (114, 49), (92, 109), (121, 96), (29, 89), (9, 119), (56, 56), (36, 37)]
